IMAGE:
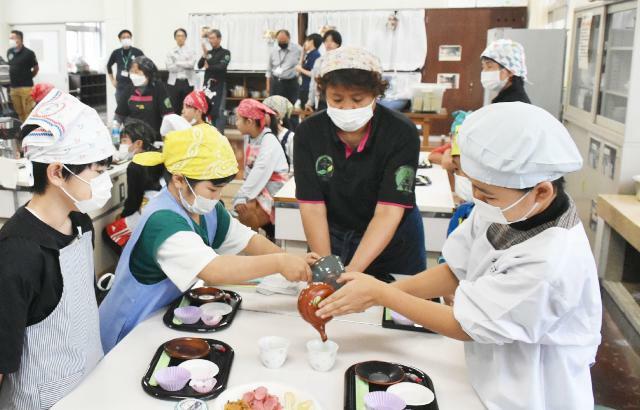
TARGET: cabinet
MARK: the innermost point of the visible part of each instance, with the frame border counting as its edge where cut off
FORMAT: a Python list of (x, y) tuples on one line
[(91, 89), (600, 74), (241, 85), (601, 113)]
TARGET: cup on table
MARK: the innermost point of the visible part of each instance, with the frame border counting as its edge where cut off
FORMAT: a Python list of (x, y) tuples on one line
[(322, 355), (273, 351)]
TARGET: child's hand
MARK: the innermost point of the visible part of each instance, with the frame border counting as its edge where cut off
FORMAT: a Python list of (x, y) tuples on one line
[(311, 258), (360, 292)]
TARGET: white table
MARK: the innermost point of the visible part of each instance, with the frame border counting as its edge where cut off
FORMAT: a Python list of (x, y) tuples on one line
[(435, 203), (115, 383)]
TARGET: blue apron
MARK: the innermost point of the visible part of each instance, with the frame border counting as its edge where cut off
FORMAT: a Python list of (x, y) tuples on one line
[(130, 302)]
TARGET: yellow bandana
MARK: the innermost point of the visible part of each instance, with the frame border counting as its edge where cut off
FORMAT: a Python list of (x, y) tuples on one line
[(199, 152)]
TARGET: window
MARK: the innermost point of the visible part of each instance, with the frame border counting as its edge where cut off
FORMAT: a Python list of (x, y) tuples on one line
[(586, 39), (85, 49), (616, 65)]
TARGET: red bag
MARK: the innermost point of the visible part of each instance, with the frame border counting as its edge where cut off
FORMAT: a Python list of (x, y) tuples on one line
[(119, 231)]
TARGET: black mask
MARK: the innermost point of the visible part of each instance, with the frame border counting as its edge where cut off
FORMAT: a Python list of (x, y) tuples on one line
[(283, 45)]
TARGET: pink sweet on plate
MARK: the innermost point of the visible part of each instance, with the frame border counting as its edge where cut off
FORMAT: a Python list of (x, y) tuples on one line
[(260, 399)]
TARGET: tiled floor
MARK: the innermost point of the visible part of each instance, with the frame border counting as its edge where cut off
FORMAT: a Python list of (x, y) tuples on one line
[(616, 375)]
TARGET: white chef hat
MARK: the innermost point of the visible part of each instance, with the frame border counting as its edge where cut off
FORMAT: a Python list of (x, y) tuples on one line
[(516, 145), (62, 129), (173, 122)]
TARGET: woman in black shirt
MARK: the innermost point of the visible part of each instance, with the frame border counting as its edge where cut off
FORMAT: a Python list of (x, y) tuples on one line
[(146, 99), (355, 167)]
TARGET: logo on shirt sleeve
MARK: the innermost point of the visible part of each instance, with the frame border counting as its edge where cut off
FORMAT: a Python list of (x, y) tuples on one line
[(324, 167), (167, 102), (405, 176)]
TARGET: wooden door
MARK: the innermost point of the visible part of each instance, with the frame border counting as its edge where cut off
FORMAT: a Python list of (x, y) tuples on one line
[(466, 28)]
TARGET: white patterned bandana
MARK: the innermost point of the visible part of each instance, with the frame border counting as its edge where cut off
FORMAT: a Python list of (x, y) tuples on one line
[(68, 131), (508, 54), (350, 58)]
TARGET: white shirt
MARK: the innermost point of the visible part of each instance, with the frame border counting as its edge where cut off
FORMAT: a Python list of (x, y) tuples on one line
[(270, 159), (534, 313), (288, 148), (184, 255), (180, 64)]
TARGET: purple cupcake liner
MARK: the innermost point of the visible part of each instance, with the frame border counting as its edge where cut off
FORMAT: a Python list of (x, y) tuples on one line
[(381, 400), (203, 386), (172, 378), (188, 314), (211, 319)]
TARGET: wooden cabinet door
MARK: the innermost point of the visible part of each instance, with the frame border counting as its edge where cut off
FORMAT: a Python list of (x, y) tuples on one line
[(467, 28)]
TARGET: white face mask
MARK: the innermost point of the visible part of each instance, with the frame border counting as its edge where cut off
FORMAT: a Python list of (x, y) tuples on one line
[(495, 214), (351, 120), (13, 43), (201, 205), (491, 80), (126, 42), (464, 188), (138, 80), (123, 152), (100, 193)]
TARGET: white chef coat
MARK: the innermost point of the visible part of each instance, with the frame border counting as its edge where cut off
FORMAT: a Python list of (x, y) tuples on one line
[(531, 303)]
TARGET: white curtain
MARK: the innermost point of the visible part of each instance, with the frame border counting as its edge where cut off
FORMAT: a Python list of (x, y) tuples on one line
[(243, 35), (404, 49)]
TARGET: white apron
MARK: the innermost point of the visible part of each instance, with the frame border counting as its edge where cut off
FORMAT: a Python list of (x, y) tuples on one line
[(532, 306), (63, 348)]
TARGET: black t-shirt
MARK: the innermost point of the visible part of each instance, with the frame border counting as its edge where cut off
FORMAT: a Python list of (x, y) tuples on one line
[(139, 180), (218, 60), (20, 65), (380, 170), (122, 58), (30, 276), (148, 104)]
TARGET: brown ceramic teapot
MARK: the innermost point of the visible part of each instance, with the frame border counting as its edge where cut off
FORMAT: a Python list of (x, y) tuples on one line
[(308, 302)]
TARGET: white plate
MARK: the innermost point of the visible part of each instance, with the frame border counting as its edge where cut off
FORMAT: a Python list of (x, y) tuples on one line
[(200, 368), (412, 393), (235, 393), (216, 308)]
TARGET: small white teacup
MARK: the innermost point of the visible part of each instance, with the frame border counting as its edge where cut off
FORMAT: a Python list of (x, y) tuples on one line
[(322, 355), (273, 351)]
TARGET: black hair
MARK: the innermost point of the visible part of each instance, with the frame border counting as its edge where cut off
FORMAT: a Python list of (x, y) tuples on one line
[(216, 32), (274, 123), (147, 66), (286, 32), (18, 33), (141, 131), (180, 29), (216, 181), (41, 181), (369, 81), (316, 38), (335, 36), (517, 81), (123, 32), (558, 186)]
